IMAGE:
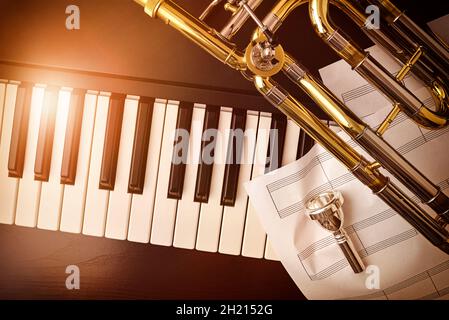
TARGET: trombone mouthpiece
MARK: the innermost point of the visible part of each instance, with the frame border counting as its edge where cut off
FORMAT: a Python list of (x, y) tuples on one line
[(326, 210)]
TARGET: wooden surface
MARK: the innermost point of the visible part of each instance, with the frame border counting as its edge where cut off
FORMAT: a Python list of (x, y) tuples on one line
[(33, 264)]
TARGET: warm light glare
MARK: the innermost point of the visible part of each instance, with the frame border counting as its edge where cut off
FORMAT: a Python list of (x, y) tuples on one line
[(63, 106), (316, 16)]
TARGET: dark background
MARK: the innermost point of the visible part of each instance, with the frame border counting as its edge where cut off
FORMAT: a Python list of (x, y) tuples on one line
[(121, 49)]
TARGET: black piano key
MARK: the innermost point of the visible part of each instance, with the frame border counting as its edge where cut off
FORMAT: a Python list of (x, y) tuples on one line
[(72, 137), (305, 143), (112, 142), (19, 132), (46, 134), (140, 146), (205, 167), (234, 152), (179, 159), (276, 142)]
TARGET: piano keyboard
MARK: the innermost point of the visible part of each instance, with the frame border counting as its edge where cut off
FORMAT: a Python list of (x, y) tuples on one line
[(102, 164)]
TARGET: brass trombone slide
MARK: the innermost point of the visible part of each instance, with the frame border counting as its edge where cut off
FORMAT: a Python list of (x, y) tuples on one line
[(263, 58)]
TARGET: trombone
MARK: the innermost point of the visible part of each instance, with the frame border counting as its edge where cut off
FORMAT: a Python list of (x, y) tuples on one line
[(265, 57)]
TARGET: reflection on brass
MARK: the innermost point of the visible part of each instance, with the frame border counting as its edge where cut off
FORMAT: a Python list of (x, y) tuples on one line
[(263, 58)]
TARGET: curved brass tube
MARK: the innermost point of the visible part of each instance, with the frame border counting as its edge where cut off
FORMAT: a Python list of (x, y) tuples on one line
[(403, 39), (401, 21), (356, 163), (209, 9), (375, 146), (284, 8), (376, 74)]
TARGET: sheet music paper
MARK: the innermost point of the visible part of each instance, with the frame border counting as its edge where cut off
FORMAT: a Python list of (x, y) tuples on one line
[(408, 266)]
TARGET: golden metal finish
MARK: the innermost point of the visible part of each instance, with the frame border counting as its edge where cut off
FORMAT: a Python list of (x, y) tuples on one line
[(230, 7), (374, 166), (388, 120), (376, 74), (261, 60), (254, 57), (408, 66), (197, 31)]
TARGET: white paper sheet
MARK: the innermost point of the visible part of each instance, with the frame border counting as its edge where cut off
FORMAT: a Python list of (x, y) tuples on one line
[(409, 266)]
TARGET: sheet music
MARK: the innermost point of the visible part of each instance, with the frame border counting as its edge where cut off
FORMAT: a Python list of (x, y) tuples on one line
[(408, 266)]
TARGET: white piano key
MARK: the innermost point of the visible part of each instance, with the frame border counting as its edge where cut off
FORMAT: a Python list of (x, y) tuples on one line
[(270, 254), (8, 186), (75, 195), (97, 199), (212, 212), (2, 101), (30, 189), (233, 223), (188, 210), (52, 190), (143, 204), (165, 208), (254, 235), (119, 199), (288, 156)]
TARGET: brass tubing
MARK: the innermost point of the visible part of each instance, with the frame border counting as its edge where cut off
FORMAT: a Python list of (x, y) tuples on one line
[(391, 11), (323, 97), (423, 67), (197, 31), (388, 120), (318, 11), (238, 20), (374, 145), (279, 98), (359, 166), (435, 53), (422, 222), (284, 8), (405, 172), (375, 73), (417, 60), (401, 22), (209, 9), (402, 37), (382, 36)]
